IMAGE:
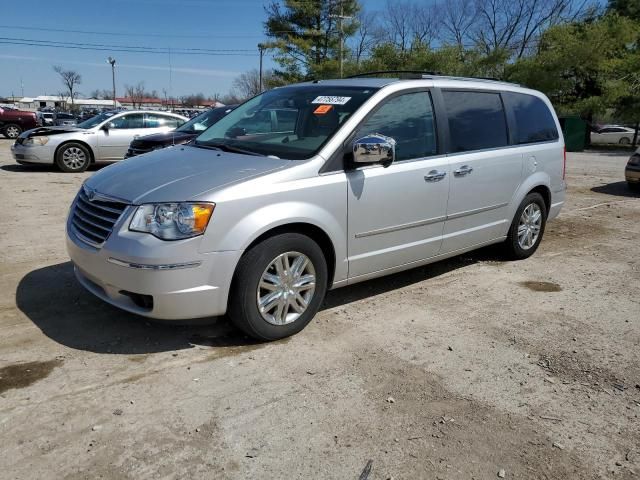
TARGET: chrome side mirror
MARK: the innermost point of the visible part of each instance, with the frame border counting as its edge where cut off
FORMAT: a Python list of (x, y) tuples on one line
[(375, 148)]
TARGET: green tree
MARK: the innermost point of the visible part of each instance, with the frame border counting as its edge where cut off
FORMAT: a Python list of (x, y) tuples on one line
[(306, 36), (585, 67), (626, 8)]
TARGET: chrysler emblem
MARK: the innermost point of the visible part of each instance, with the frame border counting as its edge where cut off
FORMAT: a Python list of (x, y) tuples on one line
[(90, 193)]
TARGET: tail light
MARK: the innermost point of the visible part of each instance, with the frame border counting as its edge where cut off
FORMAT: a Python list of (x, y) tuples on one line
[(564, 163)]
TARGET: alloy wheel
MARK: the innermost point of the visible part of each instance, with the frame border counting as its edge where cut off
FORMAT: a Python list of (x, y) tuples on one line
[(286, 288), (529, 226), (12, 132), (74, 158)]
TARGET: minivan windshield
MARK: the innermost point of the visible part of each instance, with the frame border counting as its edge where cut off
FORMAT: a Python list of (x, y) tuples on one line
[(289, 122), (93, 121)]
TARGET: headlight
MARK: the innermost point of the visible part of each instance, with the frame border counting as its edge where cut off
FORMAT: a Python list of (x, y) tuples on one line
[(634, 160), (172, 221), (35, 141)]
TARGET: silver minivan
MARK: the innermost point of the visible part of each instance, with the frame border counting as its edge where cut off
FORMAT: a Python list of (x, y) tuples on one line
[(317, 186)]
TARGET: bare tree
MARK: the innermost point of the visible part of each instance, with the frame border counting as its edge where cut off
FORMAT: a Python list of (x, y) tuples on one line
[(457, 18), (247, 84), (136, 93), (366, 36), (397, 23), (70, 79), (514, 25), (192, 100), (425, 23)]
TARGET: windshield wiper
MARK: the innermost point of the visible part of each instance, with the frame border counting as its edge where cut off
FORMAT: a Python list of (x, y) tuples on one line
[(227, 148)]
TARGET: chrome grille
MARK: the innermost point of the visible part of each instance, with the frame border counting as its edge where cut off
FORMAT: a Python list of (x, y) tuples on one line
[(94, 219)]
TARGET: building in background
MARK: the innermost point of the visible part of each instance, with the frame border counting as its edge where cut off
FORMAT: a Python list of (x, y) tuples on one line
[(57, 102)]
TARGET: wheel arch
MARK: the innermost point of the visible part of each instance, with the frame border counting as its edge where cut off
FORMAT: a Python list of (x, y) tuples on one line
[(545, 191), (84, 144), (310, 230)]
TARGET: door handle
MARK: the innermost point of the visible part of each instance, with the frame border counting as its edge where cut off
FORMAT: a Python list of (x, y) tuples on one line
[(462, 171), (434, 176)]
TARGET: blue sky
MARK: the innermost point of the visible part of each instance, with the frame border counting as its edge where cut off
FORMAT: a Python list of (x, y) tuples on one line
[(210, 24)]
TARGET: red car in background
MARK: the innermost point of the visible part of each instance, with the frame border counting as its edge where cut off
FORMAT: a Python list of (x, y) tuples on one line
[(14, 122)]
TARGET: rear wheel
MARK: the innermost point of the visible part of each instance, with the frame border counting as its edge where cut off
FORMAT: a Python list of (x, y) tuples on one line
[(624, 141), (73, 157), (634, 187), (527, 227), (12, 131), (278, 286)]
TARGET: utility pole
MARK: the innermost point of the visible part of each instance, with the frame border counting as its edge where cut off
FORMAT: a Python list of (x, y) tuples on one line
[(341, 18), (112, 61), (261, 48)]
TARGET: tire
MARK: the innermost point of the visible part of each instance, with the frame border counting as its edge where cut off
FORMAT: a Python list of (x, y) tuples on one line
[(634, 187), (519, 247), (73, 157), (624, 141), (282, 319), (12, 131)]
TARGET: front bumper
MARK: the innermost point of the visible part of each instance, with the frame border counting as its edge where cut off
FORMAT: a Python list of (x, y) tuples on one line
[(129, 272), (632, 174), (33, 154)]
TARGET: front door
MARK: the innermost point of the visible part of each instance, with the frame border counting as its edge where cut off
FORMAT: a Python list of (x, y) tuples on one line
[(484, 173), (396, 214), (114, 141)]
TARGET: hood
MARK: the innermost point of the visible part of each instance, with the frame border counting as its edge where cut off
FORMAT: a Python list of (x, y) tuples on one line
[(48, 131), (165, 138), (178, 174)]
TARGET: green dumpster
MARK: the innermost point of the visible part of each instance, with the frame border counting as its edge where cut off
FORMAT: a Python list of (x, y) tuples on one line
[(574, 130)]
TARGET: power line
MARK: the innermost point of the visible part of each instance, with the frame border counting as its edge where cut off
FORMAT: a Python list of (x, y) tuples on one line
[(132, 34), (136, 47), (165, 51)]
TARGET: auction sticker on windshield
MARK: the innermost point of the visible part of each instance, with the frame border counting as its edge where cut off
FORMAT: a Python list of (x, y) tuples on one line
[(331, 100)]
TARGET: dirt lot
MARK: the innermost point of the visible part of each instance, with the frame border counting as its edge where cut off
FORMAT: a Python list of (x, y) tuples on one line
[(453, 371)]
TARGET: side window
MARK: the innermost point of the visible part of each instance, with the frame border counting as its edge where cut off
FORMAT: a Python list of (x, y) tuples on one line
[(476, 120), (409, 120), (534, 121), (130, 120), (154, 120)]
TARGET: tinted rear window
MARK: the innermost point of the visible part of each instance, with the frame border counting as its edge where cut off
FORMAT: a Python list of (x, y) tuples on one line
[(534, 121), (476, 120)]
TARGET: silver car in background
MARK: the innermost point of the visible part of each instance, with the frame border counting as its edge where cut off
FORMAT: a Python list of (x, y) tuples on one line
[(316, 186), (103, 138)]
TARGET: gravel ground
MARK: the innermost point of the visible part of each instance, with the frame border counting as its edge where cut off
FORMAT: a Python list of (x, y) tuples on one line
[(457, 370)]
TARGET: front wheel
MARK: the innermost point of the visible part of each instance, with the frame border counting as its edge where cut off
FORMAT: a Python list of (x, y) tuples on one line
[(527, 227), (73, 158), (278, 287), (12, 131), (624, 141)]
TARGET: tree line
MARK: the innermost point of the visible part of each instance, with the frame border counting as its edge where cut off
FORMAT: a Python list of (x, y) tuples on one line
[(585, 57)]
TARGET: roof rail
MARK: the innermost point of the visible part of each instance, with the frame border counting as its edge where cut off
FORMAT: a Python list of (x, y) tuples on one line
[(420, 74), (408, 73)]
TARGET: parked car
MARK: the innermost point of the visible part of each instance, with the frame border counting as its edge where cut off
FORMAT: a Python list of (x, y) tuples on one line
[(14, 122), (180, 135), (46, 119), (373, 176), (103, 138), (612, 134), (62, 119), (632, 171)]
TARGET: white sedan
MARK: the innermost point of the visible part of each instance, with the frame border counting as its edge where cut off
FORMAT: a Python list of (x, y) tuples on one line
[(613, 134), (103, 138)]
